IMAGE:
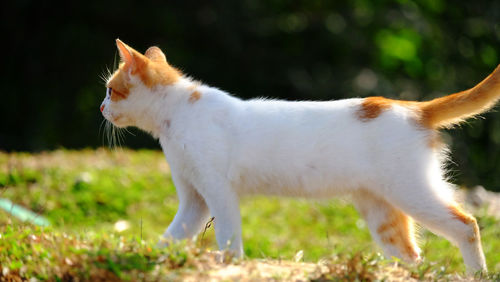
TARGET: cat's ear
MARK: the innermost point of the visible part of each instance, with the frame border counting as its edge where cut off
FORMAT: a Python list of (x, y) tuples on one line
[(125, 52), (132, 59), (155, 54)]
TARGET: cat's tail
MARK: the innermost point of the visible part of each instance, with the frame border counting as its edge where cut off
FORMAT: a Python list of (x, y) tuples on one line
[(452, 109)]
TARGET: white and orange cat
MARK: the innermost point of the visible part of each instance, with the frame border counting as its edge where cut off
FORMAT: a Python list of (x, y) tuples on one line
[(385, 153)]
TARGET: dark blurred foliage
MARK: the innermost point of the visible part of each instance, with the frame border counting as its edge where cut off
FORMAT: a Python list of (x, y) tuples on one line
[(54, 53)]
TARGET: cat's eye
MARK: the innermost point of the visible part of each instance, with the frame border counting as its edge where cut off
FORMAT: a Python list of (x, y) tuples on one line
[(114, 95)]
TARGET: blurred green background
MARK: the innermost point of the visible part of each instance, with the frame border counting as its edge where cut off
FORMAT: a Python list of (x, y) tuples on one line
[(54, 54)]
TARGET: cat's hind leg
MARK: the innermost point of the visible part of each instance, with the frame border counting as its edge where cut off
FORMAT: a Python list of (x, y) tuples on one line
[(389, 227), (433, 206)]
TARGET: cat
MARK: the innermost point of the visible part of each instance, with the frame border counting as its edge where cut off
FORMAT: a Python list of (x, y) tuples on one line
[(385, 153)]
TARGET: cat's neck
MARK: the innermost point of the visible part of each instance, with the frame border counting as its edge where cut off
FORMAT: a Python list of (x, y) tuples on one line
[(172, 102)]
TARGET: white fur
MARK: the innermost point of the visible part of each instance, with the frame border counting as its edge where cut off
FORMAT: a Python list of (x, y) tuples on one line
[(220, 148)]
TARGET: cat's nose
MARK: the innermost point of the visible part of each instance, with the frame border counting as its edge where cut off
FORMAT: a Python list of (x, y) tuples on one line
[(102, 108)]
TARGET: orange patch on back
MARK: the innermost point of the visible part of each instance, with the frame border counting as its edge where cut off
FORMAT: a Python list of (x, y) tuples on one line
[(193, 86), (195, 96), (372, 107)]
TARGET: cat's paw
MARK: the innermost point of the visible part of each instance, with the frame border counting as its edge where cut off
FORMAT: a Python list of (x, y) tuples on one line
[(163, 243), (225, 257)]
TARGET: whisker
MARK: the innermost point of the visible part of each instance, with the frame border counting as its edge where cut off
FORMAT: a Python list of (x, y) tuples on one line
[(105, 132), (117, 139), (119, 134), (101, 76), (113, 140), (126, 130), (121, 137), (108, 134), (105, 135), (123, 134), (106, 75), (101, 132), (109, 74)]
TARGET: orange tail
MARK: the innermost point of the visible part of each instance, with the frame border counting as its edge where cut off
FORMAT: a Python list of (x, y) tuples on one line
[(452, 109)]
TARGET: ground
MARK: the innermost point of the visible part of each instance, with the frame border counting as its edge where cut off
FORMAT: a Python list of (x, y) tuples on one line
[(108, 207)]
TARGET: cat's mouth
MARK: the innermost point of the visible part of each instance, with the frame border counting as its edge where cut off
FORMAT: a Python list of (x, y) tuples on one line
[(118, 120)]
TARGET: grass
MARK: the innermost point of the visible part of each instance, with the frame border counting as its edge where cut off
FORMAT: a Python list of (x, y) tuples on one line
[(85, 193), (47, 254)]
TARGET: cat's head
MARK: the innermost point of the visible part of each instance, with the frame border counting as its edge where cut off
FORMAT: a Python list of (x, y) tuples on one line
[(131, 88)]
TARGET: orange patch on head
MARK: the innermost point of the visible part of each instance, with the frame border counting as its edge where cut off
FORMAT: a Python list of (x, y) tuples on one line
[(195, 96), (155, 54), (157, 73), (119, 85), (117, 96), (152, 68), (372, 107)]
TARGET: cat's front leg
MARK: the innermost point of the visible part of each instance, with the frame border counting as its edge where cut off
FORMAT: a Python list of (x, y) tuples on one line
[(191, 215), (223, 203)]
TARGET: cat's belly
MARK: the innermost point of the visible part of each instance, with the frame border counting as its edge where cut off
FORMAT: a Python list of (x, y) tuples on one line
[(310, 183)]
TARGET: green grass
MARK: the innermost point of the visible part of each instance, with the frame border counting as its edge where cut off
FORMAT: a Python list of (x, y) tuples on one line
[(84, 193), (48, 254)]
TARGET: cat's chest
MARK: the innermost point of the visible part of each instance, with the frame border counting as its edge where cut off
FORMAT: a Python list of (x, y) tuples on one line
[(185, 153), (174, 149)]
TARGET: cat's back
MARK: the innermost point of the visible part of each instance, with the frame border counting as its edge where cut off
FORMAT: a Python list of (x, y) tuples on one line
[(244, 121), (280, 114), (283, 107), (347, 116)]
